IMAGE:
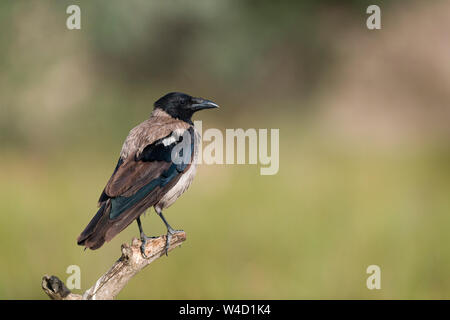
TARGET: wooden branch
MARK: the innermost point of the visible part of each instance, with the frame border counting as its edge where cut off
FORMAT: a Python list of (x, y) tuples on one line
[(126, 267)]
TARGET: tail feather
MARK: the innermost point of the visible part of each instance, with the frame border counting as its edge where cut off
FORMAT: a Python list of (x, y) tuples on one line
[(92, 237), (102, 228)]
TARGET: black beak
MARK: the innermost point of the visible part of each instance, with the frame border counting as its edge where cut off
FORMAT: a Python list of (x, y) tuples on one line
[(200, 104)]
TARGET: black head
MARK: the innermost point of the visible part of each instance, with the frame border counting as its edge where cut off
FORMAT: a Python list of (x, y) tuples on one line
[(182, 106)]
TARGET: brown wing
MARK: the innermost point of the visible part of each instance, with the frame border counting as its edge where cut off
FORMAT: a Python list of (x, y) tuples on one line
[(102, 228), (130, 175)]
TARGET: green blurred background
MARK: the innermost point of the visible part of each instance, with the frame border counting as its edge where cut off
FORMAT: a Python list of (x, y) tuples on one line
[(364, 144)]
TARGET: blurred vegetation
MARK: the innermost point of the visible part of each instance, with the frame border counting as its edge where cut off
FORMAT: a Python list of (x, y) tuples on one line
[(364, 161)]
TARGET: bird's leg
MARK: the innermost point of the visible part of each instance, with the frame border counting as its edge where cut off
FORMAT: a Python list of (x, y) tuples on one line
[(170, 230), (144, 238)]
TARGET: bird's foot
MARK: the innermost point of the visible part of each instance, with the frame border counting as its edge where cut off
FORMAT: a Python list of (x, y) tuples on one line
[(144, 240), (170, 233)]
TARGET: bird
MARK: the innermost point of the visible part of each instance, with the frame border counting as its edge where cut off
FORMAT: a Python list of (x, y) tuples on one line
[(156, 166)]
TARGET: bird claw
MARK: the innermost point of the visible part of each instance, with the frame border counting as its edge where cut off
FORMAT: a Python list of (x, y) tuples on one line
[(143, 251), (170, 233), (144, 240)]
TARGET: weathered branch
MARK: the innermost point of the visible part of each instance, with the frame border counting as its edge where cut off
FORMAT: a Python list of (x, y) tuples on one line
[(112, 282)]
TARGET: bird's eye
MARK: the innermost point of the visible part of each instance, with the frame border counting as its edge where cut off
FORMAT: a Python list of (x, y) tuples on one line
[(182, 102)]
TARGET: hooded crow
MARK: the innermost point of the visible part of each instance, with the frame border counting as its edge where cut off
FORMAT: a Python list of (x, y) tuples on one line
[(157, 164)]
